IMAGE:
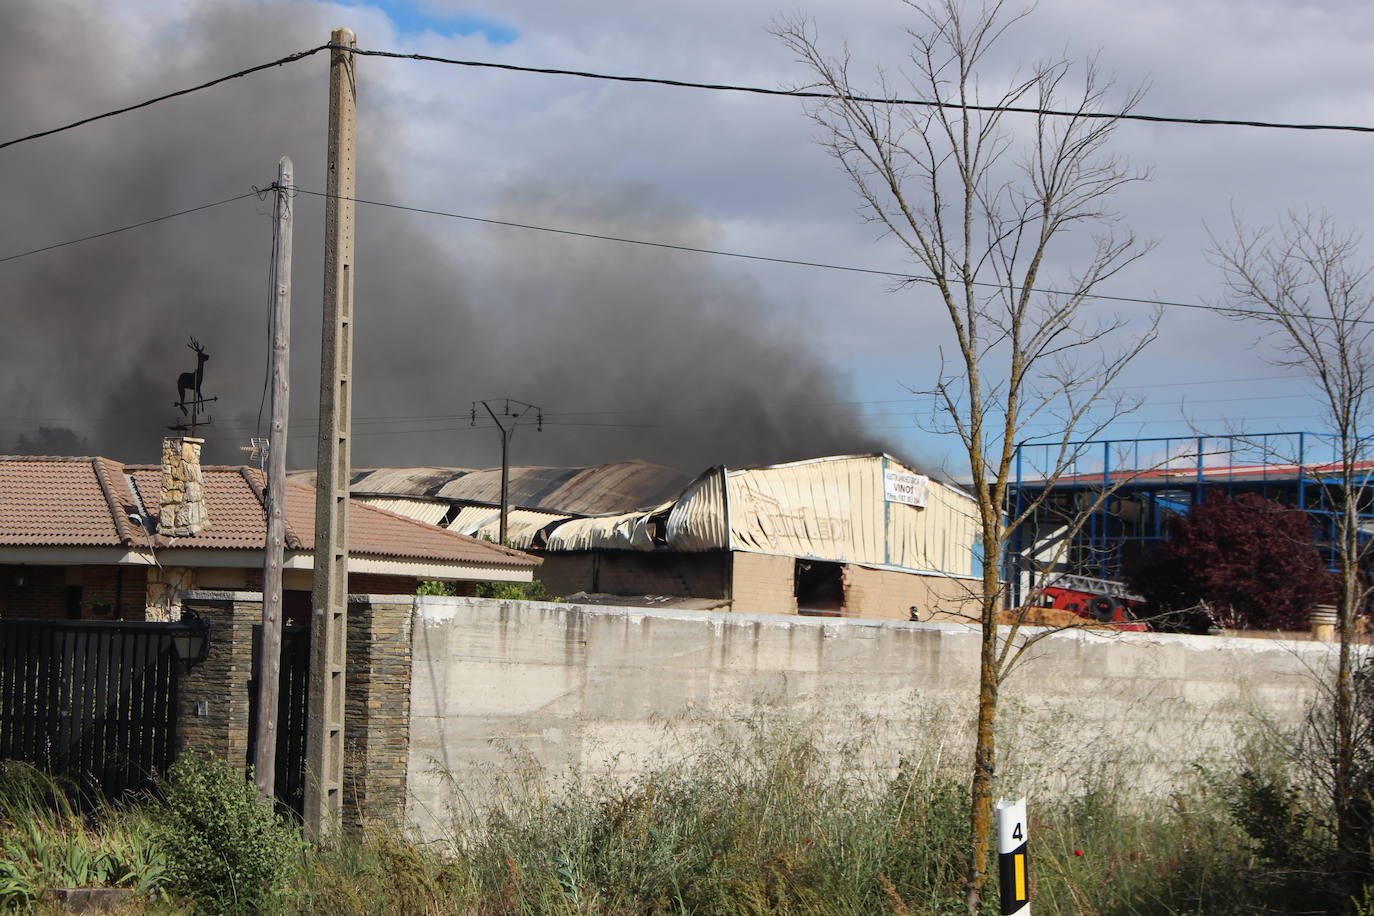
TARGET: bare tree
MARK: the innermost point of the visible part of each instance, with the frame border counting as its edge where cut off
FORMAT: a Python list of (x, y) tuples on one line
[(985, 200), (1306, 280)]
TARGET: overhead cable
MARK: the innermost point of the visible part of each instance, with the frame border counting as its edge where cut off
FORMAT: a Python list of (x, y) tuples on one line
[(290, 58), (139, 225), (895, 275), (811, 94), (691, 84)]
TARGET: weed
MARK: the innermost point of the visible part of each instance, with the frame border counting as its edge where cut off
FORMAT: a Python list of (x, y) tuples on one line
[(226, 846)]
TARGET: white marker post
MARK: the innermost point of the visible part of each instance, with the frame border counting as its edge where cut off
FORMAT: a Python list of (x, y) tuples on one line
[(1011, 857)]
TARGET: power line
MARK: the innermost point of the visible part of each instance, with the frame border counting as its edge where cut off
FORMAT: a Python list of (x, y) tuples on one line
[(690, 84), (237, 426), (808, 94), (896, 275), (139, 225), (561, 414), (290, 58)]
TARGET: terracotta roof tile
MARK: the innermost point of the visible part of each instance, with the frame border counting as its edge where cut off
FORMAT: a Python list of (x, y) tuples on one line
[(86, 501), (54, 502)]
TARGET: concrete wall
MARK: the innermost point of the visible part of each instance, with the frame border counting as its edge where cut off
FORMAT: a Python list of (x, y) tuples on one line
[(589, 689)]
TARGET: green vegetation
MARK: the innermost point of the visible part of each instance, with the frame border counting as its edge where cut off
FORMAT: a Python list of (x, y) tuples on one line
[(46, 842), (226, 847), (513, 591), (509, 591), (768, 822)]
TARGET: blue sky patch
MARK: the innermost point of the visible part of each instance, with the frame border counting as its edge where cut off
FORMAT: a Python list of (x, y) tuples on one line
[(414, 16)]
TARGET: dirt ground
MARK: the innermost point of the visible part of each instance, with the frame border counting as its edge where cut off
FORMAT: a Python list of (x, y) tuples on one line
[(1049, 617)]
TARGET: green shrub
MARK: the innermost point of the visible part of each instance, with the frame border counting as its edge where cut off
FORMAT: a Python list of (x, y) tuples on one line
[(512, 591), (509, 591), (226, 846)]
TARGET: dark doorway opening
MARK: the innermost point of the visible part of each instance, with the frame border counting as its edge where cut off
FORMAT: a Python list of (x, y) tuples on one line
[(820, 588)]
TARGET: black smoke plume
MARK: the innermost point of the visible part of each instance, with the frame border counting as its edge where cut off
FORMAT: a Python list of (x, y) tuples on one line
[(632, 353)]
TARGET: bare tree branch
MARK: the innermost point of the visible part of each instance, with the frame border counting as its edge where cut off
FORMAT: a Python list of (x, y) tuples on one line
[(985, 211)]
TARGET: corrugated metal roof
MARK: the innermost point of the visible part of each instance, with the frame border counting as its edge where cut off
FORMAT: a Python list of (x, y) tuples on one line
[(825, 509), (521, 526), (602, 490), (629, 531), (422, 510), (697, 521), (831, 508), (470, 518)]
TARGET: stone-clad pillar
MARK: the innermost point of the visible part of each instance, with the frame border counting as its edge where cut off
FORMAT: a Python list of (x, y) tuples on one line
[(377, 711), (213, 696)]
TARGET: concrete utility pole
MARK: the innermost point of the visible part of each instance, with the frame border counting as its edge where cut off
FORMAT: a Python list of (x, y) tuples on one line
[(329, 614), (265, 755), (507, 430)]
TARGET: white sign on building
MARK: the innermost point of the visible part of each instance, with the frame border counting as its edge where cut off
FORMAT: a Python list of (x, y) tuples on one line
[(908, 489)]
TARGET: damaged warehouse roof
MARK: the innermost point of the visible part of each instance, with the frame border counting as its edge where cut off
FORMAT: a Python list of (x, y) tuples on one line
[(599, 490), (829, 507)]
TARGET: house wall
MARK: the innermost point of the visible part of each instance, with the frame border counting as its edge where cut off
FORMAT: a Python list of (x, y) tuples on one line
[(499, 687), (763, 584), (45, 591), (139, 592)]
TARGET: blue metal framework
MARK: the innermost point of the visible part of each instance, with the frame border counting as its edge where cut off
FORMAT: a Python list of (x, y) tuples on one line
[(1155, 478)]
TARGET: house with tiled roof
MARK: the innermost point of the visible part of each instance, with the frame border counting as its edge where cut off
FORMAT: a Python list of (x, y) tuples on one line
[(91, 538)]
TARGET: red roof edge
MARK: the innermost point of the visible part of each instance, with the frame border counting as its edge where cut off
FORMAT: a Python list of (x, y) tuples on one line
[(105, 470), (251, 477)]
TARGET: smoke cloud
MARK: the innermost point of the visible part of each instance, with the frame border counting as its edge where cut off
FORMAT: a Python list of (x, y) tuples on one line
[(631, 352)]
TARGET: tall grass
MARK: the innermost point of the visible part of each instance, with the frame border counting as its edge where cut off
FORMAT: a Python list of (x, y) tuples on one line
[(772, 821), (765, 819), (52, 837)]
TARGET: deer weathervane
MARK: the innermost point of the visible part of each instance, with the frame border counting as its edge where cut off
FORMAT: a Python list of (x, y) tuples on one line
[(190, 382)]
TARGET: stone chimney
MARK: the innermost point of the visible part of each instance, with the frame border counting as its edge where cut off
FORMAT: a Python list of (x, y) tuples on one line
[(182, 511)]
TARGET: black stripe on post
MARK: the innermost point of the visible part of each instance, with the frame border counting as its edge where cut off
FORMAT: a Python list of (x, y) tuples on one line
[(1014, 877)]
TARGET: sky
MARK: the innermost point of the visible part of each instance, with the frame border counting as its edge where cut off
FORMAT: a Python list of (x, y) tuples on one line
[(683, 359)]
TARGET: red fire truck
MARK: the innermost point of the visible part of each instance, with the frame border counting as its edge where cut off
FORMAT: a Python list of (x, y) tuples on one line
[(1101, 600)]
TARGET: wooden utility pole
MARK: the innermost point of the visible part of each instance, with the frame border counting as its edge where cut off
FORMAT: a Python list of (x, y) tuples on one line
[(329, 600), (269, 659), (507, 429)]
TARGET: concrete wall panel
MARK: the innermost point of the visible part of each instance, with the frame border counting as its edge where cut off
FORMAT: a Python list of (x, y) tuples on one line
[(502, 685)]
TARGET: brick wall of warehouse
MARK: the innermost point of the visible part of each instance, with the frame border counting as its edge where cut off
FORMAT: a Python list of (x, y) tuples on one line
[(887, 594), (763, 584)]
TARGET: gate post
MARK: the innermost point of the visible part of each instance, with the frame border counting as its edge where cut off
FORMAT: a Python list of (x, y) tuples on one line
[(377, 711), (212, 713)]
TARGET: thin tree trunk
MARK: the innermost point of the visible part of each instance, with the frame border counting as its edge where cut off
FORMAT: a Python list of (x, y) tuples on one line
[(1347, 839), (985, 747)]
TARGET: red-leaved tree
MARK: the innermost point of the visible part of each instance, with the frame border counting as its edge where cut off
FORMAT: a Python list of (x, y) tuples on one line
[(1251, 560)]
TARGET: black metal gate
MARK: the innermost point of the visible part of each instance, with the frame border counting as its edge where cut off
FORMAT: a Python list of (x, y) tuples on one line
[(292, 703), (91, 701)]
